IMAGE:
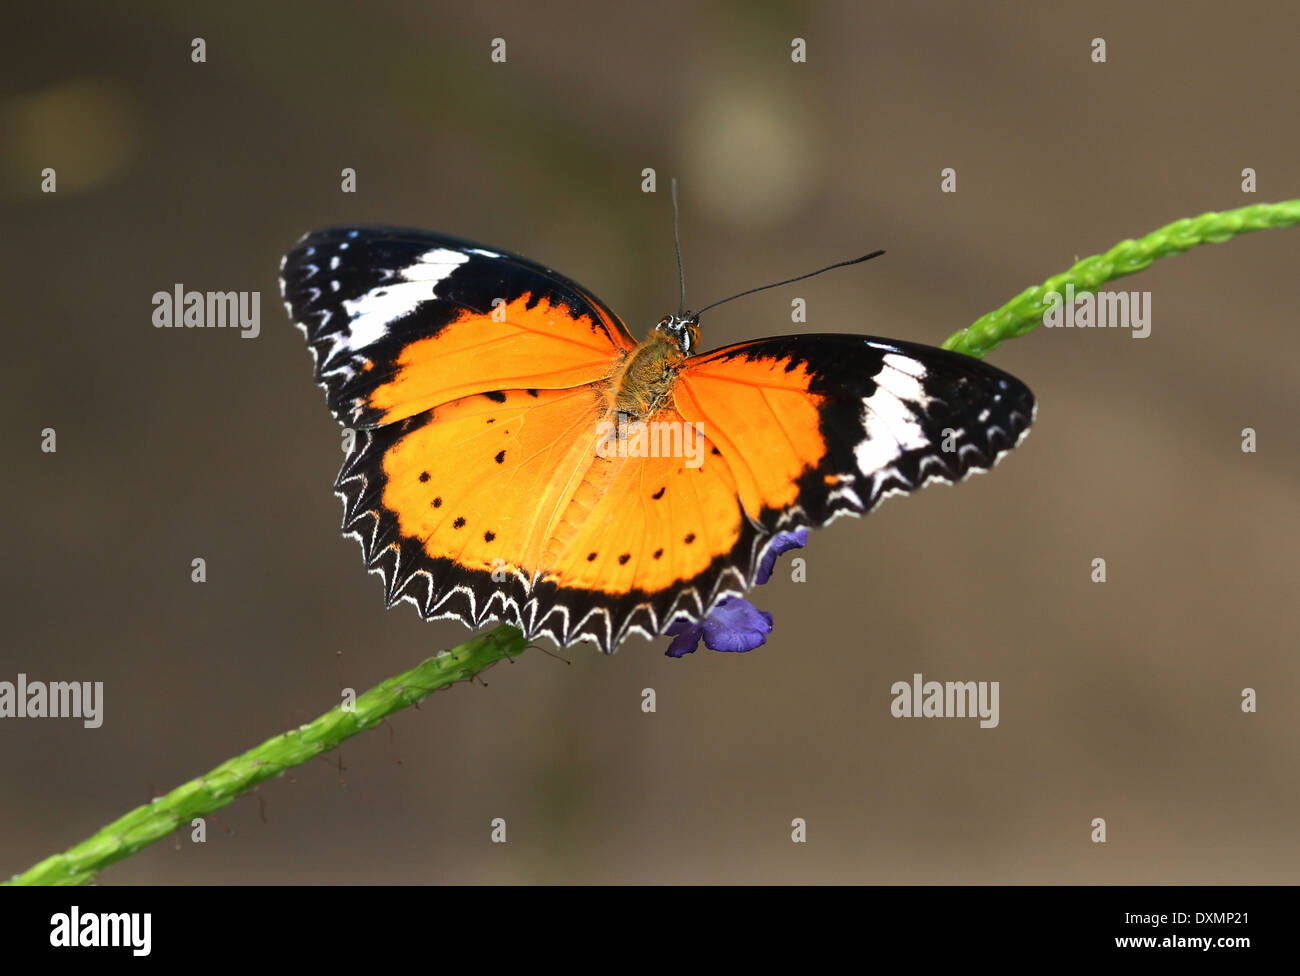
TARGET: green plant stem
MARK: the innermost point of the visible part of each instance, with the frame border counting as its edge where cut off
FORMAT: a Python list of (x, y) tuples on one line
[(202, 796), (199, 797), (1024, 312)]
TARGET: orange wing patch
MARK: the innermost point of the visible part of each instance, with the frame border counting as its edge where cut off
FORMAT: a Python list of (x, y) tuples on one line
[(530, 493), (481, 481), (645, 524), (763, 418), (523, 344)]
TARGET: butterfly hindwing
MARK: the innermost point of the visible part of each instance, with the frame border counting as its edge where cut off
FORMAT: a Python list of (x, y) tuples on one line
[(650, 539), (451, 506), (502, 508)]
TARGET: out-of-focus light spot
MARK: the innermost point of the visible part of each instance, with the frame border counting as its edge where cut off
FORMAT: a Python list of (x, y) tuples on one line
[(87, 131), (750, 156)]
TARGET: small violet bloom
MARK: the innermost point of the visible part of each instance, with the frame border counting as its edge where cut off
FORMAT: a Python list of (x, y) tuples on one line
[(735, 624), (782, 542)]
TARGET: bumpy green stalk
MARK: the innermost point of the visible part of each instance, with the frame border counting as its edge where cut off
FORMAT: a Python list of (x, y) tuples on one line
[(199, 797), (1024, 312)]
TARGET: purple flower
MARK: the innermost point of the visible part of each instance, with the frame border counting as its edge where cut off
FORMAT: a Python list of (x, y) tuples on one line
[(735, 624), (781, 542)]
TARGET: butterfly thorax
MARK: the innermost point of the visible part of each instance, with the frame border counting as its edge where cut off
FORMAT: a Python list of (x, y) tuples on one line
[(645, 382)]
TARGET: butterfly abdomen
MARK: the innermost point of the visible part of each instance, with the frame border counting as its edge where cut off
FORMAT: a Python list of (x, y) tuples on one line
[(597, 473)]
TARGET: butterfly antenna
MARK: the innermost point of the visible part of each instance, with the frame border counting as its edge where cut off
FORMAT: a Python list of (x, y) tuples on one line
[(677, 246), (778, 284)]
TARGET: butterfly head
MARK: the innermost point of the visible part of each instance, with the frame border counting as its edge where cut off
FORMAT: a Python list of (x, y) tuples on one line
[(682, 330)]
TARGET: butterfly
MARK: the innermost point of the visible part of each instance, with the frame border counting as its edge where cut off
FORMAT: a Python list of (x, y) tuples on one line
[(502, 469)]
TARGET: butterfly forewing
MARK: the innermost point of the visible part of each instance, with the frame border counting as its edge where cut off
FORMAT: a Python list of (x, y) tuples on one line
[(819, 425), (401, 320)]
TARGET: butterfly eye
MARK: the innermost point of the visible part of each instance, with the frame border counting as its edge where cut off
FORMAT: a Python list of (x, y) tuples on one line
[(691, 336), (684, 332)]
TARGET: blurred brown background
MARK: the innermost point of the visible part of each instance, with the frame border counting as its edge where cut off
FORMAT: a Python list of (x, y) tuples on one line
[(1118, 701)]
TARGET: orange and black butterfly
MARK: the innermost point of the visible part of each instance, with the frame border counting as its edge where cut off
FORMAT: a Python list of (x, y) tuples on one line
[(502, 468)]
